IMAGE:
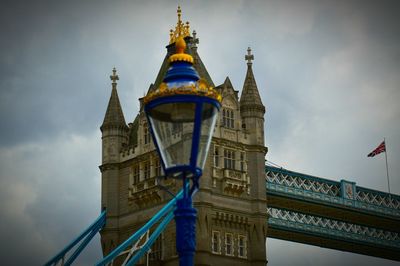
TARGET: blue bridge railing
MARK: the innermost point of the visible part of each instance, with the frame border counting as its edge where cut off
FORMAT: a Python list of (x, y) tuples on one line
[(292, 184)]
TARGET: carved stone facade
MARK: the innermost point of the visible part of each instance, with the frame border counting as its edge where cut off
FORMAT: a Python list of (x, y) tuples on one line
[(232, 215)]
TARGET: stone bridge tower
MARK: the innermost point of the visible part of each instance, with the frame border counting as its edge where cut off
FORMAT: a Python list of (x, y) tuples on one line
[(231, 203)]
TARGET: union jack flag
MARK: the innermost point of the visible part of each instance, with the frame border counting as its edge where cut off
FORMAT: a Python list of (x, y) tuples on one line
[(381, 148)]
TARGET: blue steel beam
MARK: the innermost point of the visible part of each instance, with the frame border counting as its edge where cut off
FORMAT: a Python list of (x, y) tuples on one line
[(88, 233), (151, 240), (325, 227), (291, 184), (330, 233)]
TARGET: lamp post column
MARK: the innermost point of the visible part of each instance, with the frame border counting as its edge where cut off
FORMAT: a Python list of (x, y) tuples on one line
[(185, 219)]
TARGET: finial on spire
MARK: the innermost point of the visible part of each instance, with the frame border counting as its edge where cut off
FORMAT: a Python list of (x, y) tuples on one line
[(195, 40), (181, 29), (179, 11), (249, 57), (114, 77)]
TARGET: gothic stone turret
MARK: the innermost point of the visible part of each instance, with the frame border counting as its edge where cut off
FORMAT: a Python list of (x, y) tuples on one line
[(252, 112), (114, 138)]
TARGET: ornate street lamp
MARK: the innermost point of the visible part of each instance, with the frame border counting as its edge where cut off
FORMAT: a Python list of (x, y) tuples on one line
[(182, 114)]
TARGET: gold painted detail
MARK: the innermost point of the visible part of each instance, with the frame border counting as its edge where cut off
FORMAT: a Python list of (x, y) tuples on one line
[(200, 88), (181, 29), (181, 57), (180, 46)]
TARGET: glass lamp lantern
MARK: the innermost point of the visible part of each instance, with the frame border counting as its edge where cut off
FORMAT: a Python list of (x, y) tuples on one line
[(182, 114)]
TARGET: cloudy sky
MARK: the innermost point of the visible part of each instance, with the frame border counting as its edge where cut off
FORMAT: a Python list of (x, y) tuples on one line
[(328, 73)]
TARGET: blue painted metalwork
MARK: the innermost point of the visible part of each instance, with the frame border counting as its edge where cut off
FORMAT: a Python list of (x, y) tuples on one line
[(181, 72), (152, 238), (185, 219), (288, 220), (196, 133), (87, 235), (309, 188), (347, 189), (166, 211), (305, 176)]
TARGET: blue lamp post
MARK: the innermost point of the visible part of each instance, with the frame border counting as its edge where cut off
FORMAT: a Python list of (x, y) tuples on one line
[(182, 114)]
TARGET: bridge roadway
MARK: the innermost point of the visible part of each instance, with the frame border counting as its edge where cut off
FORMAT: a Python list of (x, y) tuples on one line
[(331, 214)]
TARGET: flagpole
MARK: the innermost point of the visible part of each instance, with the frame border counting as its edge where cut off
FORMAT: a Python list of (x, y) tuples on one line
[(387, 169)]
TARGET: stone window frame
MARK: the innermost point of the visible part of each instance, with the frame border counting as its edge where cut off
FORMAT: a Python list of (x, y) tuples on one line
[(242, 253), (232, 245), (157, 167), (229, 159), (135, 173), (146, 170), (242, 161), (146, 133), (228, 118), (216, 234)]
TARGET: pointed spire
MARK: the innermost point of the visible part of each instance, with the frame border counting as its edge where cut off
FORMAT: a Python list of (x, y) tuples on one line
[(250, 95), (114, 116)]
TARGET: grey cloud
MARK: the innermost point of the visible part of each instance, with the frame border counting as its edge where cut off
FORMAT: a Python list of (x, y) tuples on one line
[(50, 199)]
